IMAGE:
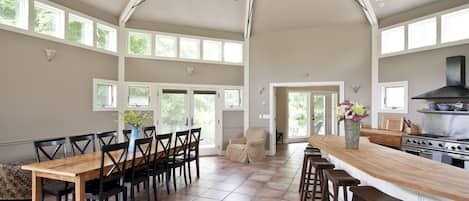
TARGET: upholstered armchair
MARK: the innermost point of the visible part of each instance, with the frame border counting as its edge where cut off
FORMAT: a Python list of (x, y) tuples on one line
[(249, 148)]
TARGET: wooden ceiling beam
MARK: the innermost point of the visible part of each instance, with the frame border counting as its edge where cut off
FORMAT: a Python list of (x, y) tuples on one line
[(129, 10), (248, 19)]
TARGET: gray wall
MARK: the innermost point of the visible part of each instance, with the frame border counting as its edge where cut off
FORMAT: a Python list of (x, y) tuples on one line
[(149, 70), (330, 53), (232, 126), (424, 70), (42, 99)]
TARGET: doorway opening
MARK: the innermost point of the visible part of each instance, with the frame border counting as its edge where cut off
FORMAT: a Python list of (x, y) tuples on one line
[(299, 110)]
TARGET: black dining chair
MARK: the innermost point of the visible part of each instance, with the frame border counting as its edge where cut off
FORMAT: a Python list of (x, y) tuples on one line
[(161, 160), (149, 131), (107, 138), (179, 155), (46, 150), (111, 176), (127, 133), (139, 171), (82, 143), (193, 151)]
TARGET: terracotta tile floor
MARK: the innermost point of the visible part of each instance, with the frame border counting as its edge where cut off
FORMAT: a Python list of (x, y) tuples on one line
[(276, 178)]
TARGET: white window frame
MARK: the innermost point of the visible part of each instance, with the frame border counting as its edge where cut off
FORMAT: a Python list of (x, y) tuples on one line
[(143, 33), (114, 84), (60, 22), (220, 58), (152, 101), (166, 36), (409, 26), (22, 17), (112, 47), (439, 43), (85, 20), (382, 86), (233, 108)]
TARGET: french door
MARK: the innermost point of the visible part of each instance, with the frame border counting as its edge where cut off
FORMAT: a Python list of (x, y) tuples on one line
[(192, 108), (319, 120)]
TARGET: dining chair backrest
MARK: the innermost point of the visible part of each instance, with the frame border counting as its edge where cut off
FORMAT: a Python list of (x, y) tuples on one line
[(194, 141), (81, 143), (51, 149), (116, 154), (149, 131), (127, 133), (163, 143), (107, 138), (180, 144), (142, 149)]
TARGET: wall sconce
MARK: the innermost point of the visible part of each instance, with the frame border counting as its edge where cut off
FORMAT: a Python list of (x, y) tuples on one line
[(261, 90), (190, 70), (50, 54), (356, 87)]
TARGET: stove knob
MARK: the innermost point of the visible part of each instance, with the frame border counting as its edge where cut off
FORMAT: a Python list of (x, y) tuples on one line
[(459, 147), (467, 148), (418, 142), (453, 148), (414, 141), (440, 145), (424, 143), (430, 144), (408, 140)]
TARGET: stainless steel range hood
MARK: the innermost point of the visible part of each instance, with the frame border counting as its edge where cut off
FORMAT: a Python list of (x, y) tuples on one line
[(455, 82)]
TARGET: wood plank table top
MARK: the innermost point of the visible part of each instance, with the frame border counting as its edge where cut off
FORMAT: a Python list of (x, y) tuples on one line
[(382, 132), (399, 168)]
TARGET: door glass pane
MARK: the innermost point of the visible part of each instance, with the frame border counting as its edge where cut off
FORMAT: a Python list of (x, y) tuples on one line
[(298, 107), (204, 117), (319, 114), (173, 112)]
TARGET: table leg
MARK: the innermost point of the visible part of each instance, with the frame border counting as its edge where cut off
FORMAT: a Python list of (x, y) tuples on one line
[(79, 189), (36, 187)]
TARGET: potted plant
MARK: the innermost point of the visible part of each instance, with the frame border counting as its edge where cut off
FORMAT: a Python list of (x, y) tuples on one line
[(352, 114), (135, 120)]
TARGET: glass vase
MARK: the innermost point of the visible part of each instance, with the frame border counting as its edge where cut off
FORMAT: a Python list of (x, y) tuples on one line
[(134, 134)]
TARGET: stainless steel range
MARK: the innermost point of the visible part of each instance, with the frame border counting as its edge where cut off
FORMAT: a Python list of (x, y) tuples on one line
[(444, 149)]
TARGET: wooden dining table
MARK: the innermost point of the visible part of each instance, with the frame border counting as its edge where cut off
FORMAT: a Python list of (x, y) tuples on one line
[(76, 169)]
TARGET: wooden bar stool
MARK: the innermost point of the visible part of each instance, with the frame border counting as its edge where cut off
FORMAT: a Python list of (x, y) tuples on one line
[(307, 154), (319, 165), (369, 193), (339, 178)]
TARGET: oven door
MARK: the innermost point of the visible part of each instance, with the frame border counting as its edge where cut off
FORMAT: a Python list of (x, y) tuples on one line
[(419, 152), (458, 160)]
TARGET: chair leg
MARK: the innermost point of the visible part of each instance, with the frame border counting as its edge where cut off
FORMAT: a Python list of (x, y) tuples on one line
[(180, 171), (132, 192), (303, 170), (197, 167), (116, 197), (167, 173), (185, 174), (147, 181), (155, 190), (66, 197), (189, 169), (336, 193), (58, 198), (138, 188), (174, 179)]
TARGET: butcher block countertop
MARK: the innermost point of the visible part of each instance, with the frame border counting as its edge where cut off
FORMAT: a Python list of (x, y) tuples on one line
[(399, 168)]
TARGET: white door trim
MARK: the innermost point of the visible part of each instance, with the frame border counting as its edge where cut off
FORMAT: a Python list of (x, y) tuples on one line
[(272, 104)]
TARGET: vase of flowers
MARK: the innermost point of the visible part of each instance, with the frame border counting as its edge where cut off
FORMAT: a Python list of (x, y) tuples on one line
[(352, 114), (135, 120)]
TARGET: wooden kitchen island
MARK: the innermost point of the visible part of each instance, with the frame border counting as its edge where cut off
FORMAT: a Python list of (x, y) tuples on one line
[(402, 175)]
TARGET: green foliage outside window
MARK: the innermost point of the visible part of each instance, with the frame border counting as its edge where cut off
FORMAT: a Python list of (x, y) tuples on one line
[(104, 95), (139, 96), (44, 21), (8, 11), (139, 44), (102, 38), (75, 31)]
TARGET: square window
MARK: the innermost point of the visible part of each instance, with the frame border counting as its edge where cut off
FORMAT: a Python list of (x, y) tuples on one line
[(422, 33), (139, 96), (165, 46), (454, 26), (392, 40), (14, 13), (233, 52), (105, 95), (106, 37), (232, 98), (212, 50), (189, 48), (80, 30), (48, 20), (394, 97), (139, 43)]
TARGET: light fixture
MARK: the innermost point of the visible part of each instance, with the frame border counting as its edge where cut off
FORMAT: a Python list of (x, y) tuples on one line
[(50, 54)]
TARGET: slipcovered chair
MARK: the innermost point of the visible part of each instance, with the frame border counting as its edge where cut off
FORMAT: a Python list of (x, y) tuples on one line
[(249, 148)]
